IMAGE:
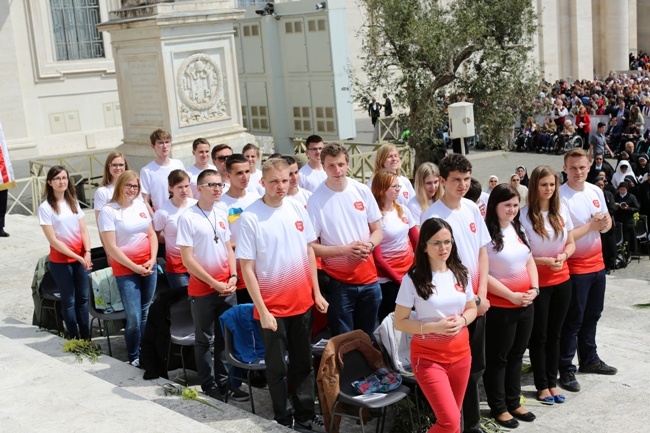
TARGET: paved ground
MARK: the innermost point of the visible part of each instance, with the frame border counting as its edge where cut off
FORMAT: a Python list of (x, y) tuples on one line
[(612, 403)]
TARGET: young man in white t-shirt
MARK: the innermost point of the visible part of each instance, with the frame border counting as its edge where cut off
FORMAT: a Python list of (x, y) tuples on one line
[(588, 212), (201, 152), (471, 237), (220, 154), (279, 268), (312, 173), (346, 218), (235, 201), (204, 241), (153, 176)]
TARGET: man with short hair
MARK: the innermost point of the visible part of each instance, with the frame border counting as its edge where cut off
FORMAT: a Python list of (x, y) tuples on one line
[(600, 164), (204, 241), (471, 237), (279, 268), (235, 201), (301, 195), (588, 211), (347, 220), (312, 173), (220, 154), (201, 152), (153, 176), (598, 142)]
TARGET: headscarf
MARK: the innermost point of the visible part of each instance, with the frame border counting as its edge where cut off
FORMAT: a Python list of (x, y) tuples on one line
[(523, 180), (489, 188), (619, 176)]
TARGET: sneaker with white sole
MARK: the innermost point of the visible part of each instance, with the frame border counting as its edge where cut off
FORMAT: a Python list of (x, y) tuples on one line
[(315, 424), (135, 362), (236, 394)]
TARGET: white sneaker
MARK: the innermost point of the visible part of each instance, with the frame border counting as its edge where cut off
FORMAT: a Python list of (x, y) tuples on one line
[(135, 362), (316, 424)]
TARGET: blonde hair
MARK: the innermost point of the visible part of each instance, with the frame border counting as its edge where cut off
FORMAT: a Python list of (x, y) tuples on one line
[(382, 155), (425, 170), (118, 193)]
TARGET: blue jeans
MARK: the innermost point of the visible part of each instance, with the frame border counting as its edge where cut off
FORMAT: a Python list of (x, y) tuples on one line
[(137, 294), (72, 282), (579, 330), (177, 281), (352, 307)]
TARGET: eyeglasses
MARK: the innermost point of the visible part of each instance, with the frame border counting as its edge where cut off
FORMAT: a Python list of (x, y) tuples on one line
[(222, 158), (397, 187), (131, 186), (213, 185), (516, 180), (60, 179), (439, 244), (118, 165), (315, 149)]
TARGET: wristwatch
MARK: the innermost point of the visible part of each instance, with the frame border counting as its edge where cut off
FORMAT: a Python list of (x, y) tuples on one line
[(536, 289), (235, 276), (478, 300)]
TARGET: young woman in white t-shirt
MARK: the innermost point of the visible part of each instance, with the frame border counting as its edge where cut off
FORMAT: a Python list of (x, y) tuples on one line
[(165, 223), (548, 227), (252, 154), (427, 189), (132, 245), (394, 255), (114, 166), (387, 158), (61, 219), (512, 287), (439, 288)]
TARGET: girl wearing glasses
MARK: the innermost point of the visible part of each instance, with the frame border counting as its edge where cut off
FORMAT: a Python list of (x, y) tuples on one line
[(512, 287), (394, 255), (131, 243), (165, 222), (439, 287), (427, 189), (387, 158), (548, 226), (61, 219), (114, 166)]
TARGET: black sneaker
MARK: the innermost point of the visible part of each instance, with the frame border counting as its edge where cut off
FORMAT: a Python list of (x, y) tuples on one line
[(237, 394), (214, 393), (315, 424), (569, 382), (599, 368)]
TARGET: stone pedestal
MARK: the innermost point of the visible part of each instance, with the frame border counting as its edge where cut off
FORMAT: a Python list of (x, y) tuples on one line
[(176, 69)]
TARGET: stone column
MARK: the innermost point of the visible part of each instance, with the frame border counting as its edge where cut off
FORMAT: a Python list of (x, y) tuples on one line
[(615, 40), (582, 51), (549, 39), (176, 69)]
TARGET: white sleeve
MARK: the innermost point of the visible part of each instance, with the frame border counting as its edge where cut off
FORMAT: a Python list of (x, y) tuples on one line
[(144, 181), (159, 220), (374, 214), (45, 214), (313, 212), (184, 233), (409, 216), (106, 220), (407, 293), (247, 241)]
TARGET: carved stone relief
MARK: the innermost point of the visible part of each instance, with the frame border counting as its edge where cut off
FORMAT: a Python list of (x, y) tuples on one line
[(199, 85)]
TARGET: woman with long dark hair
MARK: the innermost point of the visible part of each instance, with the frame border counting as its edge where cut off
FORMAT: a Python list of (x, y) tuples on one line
[(394, 255), (512, 287), (62, 221), (548, 226), (165, 222), (439, 288), (131, 243)]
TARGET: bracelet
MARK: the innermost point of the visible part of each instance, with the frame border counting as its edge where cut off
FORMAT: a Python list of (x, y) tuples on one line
[(566, 255), (373, 246), (464, 318)]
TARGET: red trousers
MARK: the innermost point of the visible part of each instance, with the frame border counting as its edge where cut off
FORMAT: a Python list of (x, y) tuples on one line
[(443, 384)]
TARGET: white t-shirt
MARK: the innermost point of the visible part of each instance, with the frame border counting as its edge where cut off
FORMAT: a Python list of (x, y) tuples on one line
[(416, 209), (194, 172), (234, 208), (154, 179), (196, 229), (548, 246), (66, 229), (302, 196), (406, 193), (165, 220), (396, 246), (103, 195), (483, 199), (277, 239), (509, 266), (340, 218), (311, 179), (588, 256), (131, 227), (448, 299), (255, 183), (469, 231)]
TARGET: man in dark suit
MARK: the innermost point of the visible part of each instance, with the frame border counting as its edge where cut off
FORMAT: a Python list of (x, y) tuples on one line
[(388, 106), (373, 111)]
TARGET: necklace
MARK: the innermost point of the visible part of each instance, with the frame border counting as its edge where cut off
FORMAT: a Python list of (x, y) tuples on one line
[(214, 226)]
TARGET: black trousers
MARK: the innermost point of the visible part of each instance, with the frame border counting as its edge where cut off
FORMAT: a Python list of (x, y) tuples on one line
[(471, 402), (4, 196), (506, 338), (294, 336), (388, 296), (551, 307)]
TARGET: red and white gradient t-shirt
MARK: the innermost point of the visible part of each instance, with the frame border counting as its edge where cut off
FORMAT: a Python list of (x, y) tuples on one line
[(131, 227), (406, 193), (509, 266), (469, 231), (416, 209), (154, 180), (165, 220), (197, 231), (66, 229), (588, 256), (311, 179), (276, 239), (340, 218), (395, 245), (448, 300), (548, 247)]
